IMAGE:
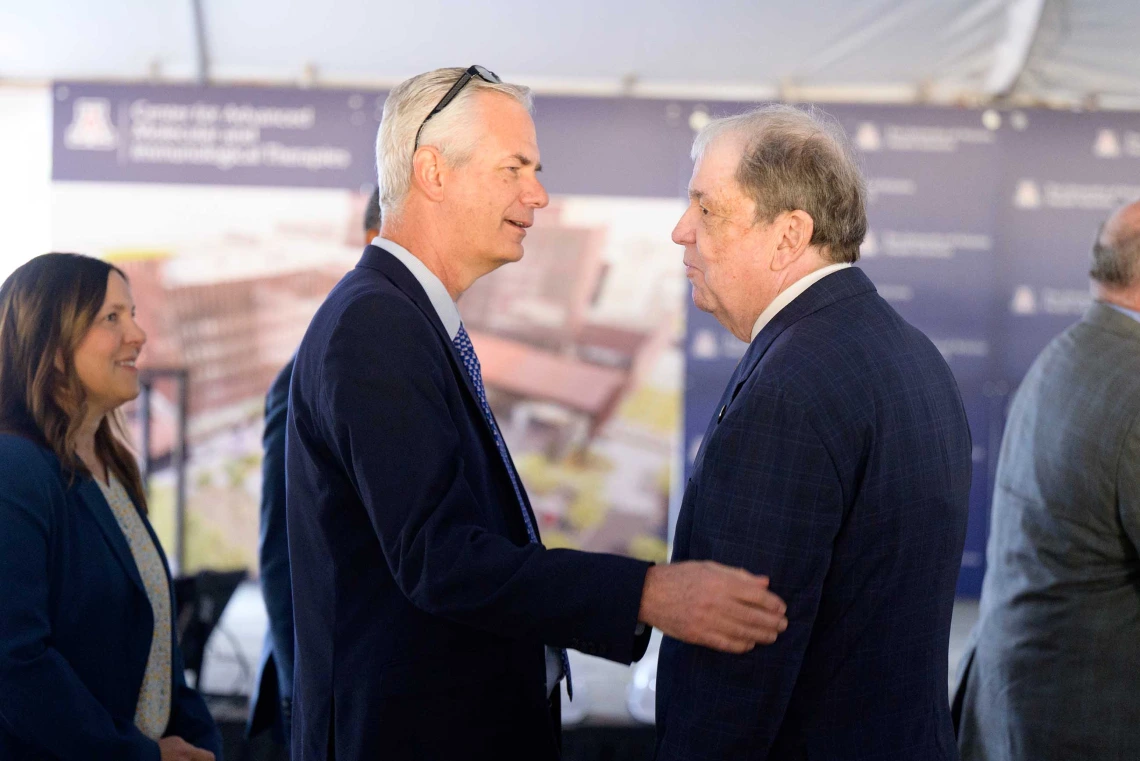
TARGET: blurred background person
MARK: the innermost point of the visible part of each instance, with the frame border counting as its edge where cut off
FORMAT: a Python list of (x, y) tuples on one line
[(90, 666), (1052, 666), (271, 701)]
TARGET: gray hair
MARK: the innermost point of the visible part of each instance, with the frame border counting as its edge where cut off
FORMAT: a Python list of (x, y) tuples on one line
[(798, 159), (453, 130), (1116, 254)]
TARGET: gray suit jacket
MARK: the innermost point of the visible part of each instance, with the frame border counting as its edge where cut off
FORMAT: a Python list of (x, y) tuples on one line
[(1053, 669)]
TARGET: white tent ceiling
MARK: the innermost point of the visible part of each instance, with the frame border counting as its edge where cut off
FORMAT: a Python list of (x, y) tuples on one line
[(1061, 52)]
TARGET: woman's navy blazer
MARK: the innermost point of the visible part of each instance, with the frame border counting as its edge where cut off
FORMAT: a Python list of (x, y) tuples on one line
[(75, 622)]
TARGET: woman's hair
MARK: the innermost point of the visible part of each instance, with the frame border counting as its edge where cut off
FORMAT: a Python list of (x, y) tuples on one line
[(46, 308)]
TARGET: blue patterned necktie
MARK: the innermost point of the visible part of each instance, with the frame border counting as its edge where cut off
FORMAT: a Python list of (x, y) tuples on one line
[(466, 351)]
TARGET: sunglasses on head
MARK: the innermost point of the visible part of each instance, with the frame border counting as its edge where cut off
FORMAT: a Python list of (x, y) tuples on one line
[(474, 71)]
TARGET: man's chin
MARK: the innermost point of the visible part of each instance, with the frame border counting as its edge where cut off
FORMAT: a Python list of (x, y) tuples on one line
[(701, 302), (511, 254)]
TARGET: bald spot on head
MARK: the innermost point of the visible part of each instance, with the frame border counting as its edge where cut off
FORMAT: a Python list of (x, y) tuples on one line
[(1116, 253), (1123, 227)]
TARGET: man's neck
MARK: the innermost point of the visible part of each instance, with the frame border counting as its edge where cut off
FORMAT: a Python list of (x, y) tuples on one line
[(1126, 298), (430, 250), (805, 266)]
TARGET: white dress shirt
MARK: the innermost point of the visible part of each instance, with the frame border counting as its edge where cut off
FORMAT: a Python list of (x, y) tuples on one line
[(789, 295), (432, 285), (449, 315)]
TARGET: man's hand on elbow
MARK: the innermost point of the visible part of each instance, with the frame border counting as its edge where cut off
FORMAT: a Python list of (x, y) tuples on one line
[(708, 604)]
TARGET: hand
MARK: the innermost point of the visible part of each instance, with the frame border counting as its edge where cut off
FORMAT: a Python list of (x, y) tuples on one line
[(706, 603), (177, 749)]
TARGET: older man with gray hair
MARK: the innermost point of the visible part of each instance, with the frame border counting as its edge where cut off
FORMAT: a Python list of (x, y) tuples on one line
[(1052, 668), (431, 623), (838, 464)]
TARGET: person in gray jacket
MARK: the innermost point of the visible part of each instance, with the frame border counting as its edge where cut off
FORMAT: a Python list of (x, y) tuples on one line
[(1052, 668)]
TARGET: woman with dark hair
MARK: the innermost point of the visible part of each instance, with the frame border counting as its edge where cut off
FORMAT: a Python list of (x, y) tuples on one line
[(89, 662)]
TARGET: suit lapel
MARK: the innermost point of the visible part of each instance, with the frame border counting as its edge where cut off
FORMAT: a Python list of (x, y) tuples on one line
[(92, 497), (392, 268), (832, 289)]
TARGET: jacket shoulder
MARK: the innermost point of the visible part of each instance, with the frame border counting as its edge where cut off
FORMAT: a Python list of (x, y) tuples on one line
[(22, 459), (367, 300), (31, 477)]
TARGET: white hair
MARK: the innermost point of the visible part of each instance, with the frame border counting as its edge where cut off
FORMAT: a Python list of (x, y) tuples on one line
[(453, 130)]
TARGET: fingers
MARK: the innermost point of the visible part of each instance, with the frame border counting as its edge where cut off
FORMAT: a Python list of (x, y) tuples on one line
[(750, 588), (176, 749), (759, 622), (751, 592)]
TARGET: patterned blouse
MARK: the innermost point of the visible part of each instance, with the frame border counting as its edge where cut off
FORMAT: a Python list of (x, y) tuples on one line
[(153, 710)]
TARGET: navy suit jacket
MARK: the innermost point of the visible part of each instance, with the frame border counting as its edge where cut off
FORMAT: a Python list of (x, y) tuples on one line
[(273, 690), (421, 610), (75, 623), (841, 469)]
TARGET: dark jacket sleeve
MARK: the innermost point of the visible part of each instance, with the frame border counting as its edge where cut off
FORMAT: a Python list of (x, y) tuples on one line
[(769, 483), (385, 381), (273, 550), (189, 717), (42, 700)]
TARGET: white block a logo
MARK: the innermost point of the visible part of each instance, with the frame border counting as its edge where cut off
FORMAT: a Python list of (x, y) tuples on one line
[(1024, 301), (870, 245), (705, 345), (1107, 145), (91, 128), (1027, 195), (867, 137)]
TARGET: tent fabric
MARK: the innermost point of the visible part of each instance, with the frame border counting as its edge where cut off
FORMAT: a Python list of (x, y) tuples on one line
[(1063, 51)]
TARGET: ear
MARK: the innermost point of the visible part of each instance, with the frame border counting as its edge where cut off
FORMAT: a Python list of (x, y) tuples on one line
[(427, 172), (795, 229)]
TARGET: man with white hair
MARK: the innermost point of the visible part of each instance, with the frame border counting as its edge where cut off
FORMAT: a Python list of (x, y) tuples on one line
[(838, 464), (431, 623), (1050, 671)]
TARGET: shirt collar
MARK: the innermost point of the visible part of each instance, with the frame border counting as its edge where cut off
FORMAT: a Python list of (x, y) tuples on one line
[(790, 293), (1130, 312), (432, 285)]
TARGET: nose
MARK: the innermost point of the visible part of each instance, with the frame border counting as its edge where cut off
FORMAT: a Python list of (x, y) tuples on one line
[(684, 234), (535, 195), (135, 335)]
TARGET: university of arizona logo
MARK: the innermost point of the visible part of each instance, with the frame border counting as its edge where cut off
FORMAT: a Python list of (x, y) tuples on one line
[(1106, 145), (867, 137), (91, 128), (1024, 301), (1027, 195), (870, 245)]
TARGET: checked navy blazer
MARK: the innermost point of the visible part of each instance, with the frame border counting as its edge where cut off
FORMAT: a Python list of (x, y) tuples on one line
[(840, 468)]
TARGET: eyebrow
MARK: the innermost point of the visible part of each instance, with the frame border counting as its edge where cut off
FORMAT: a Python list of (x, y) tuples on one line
[(698, 196), (526, 161), (122, 307)]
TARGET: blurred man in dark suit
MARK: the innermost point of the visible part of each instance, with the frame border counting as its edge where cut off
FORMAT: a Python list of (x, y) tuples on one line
[(838, 464), (1051, 670), (270, 704), (431, 623)]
